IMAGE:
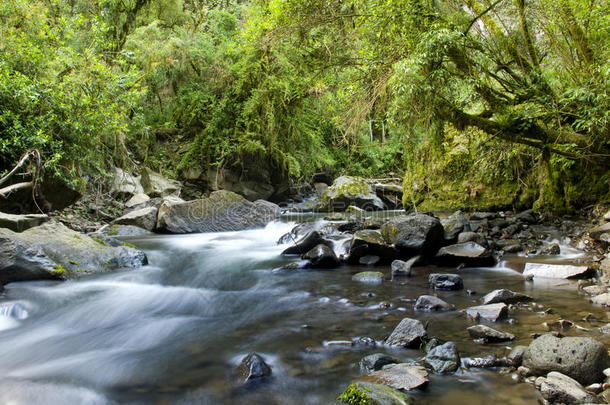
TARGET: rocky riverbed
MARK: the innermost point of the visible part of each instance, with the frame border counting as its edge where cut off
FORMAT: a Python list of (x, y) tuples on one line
[(356, 306)]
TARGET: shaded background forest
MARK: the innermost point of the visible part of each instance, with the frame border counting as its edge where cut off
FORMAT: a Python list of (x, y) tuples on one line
[(473, 103)]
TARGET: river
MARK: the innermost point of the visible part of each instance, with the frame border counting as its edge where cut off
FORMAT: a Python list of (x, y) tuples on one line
[(173, 332)]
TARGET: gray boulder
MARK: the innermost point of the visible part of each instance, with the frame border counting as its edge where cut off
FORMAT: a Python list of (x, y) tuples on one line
[(403, 269), (145, 218), (53, 251), (363, 392), (443, 358), (221, 211), (408, 333), (505, 296), (558, 388), (515, 357), (156, 185), (440, 281), (347, 191), (489, 335), (491, 312), (19, 223), (374, 362), (125, 185), (581, 358), (431, 303), (415, 234), (305, 244), (321, 257), (465, 237), (563, 271), (253, 367), (470, 254), (136, 200)]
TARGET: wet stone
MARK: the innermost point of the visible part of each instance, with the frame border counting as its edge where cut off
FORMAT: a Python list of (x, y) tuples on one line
[(253, 367), (375, 362), (445, 281), (491, 312), (489, 335)]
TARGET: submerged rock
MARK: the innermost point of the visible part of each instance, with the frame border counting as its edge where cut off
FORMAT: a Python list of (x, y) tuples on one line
[(221, 211), (374, 362), (563, 271), (440, 281), (470, 254), (53, 251), (370, 277), (408, 333), (505, 296), (347, 191), (431, 303), (558, 388), (444, 358), (253, 367), (369, 393), (489, 335), (403, 377), (581, 358), (491, 312), (415, 234), (321, 257)]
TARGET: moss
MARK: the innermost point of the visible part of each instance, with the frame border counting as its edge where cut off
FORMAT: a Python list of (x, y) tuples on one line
[(73, 262), (128, 245), (113, 232), (59, 269), (101, 242), (356, 395)]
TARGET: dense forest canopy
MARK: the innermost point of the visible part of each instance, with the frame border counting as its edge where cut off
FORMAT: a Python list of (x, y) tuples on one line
[(447, 93)]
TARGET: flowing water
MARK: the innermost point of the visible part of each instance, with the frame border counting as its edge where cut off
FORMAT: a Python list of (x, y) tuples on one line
[(173, 332)]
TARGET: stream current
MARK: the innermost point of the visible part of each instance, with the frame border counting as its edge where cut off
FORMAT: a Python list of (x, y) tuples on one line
[(173, 332)]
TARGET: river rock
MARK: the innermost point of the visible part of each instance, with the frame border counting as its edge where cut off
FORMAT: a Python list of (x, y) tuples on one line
[(403, 269), (415, 234), (374, 362), (408, 333), (156, 185), (125, 185), (466, 237), (599, 231), (19, 223), (346, 191), (443, 358), (488, 334), (485, 362), (528, 216), (440, 281), (505, 296), (491, 312), (321, 257), (558, 388), (253, 367), (221, 211), (145, 218), (53, 251), (403, 377), (120, 231), (370, 243), (470, 254), (515, 357), (431, 303), (552, 249), (581, 358), (305, 244), (369, 277), (562, 271), (363, 392), (601, 299)]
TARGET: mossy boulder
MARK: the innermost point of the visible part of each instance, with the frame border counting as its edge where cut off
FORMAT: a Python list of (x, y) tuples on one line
[(53, 251), (367, 393), (221, 211), (346, 191)]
